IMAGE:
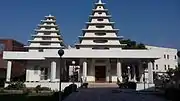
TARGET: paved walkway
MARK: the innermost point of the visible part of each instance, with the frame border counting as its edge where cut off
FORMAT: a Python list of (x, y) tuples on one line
[(111, 94)]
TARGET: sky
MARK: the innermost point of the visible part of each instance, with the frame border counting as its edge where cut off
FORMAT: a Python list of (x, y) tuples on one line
[(152, 22)]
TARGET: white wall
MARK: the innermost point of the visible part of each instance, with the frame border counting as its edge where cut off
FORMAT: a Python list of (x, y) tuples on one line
[(172, 62)]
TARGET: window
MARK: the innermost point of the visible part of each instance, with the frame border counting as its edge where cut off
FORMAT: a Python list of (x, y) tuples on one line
[(100, 19), (167, 56), (165, 67), (2, 47), (100, 41), (164, 56), (156, 67), (100, 26), (175, 57), (168, 66), (100, 34)]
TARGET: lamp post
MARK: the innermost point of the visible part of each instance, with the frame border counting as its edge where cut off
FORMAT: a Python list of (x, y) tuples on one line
[(73, 63), (61, 53)]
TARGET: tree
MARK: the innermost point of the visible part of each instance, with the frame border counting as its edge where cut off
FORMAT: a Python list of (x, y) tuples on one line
[(132, 44)]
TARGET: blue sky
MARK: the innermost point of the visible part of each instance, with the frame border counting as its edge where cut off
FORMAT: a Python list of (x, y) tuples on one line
[(154, 22)]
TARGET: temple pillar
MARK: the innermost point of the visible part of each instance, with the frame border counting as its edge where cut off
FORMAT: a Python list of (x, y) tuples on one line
[(150, 72), (129, 73), (53, 71), (85, 71), (8, 72), (119, 70)]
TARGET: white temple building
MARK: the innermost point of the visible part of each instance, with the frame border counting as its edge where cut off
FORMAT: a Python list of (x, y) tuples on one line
[(98, 56)]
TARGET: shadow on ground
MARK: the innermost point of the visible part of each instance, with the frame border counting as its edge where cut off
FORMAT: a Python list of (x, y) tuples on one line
[(21, 97)]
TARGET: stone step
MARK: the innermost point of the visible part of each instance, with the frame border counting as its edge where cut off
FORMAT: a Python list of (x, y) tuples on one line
[(102, 85)]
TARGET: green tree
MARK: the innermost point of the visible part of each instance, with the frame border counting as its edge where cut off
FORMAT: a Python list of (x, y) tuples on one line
[(132, 44)]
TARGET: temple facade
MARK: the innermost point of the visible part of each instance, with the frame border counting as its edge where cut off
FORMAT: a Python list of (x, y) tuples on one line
[(97, 57)]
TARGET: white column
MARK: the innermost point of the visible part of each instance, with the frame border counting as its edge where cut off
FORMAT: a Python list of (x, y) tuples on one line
[(8, 73), (150, 72), (53, 71), (85, 71), (119, 70), (129, 72)]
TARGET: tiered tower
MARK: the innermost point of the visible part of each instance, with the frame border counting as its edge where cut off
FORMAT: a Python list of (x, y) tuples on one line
[(47, 36), (100, 32)]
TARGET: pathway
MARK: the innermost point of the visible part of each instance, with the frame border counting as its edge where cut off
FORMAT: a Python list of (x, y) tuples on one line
[(111, 94)]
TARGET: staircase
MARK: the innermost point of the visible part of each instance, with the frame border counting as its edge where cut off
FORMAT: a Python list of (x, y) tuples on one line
[(102, 85)]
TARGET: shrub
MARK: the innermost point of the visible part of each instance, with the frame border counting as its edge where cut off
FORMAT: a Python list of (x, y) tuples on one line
[(131, 85), (16, 86), (27, 91), (67, 91), (45, 89), (2, 81), (73, 87), (84, 85), (2, 91), (127, 85), (39, 88)]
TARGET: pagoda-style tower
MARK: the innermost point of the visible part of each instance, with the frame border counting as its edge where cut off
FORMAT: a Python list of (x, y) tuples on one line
[(100, 32), (47, 36)]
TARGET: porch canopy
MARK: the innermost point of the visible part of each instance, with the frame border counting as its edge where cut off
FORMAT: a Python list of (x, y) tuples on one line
[(80, 53)]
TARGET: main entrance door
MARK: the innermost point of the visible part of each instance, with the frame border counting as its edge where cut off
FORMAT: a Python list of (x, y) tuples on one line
[(100, 73)]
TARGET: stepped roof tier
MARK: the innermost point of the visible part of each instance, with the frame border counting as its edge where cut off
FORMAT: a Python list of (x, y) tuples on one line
[(100, 23), (94, 16), (47, 35), (101, 37), (100, 31), (100, 10)]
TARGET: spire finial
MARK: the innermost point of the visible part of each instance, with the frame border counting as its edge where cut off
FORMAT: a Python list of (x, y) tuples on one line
[(100, 2)]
